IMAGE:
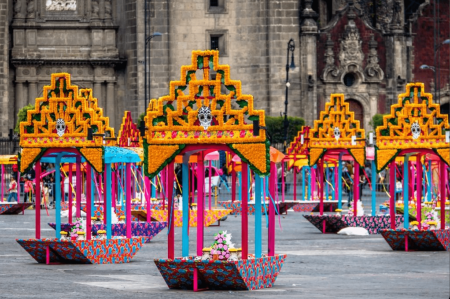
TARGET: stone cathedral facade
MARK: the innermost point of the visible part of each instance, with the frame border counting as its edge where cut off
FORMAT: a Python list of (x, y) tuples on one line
[(366, 49)]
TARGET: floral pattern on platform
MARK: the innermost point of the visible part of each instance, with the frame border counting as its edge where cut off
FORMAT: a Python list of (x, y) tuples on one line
[(423, 240), (236, 207), (83, 252), (14, 208), (250, 274), (211, 216), (315, 207), (373, 224), (138, 229)]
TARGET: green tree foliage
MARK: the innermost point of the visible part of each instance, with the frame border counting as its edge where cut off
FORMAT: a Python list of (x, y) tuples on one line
[(22, 116), (377, 120), (275, 128)]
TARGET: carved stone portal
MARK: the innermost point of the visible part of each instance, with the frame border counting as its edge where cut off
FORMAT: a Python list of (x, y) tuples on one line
[(61, 5), (351, 51)]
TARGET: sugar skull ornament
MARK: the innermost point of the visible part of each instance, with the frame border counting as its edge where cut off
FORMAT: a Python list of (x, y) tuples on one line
[(415, 130), (337, 133), (205, 117), (60, 127)]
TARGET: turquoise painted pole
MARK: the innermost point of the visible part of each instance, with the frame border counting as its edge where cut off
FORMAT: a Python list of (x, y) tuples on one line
[(258, 216), (153, 188), (58, 195), (303, 183), (430, 182), (374, 188), (108, 201), (240, 184), (339, 186), (185, 194), (405, 192)]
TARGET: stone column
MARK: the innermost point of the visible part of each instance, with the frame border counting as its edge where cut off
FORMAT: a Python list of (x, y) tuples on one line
[(19, 97), (110, 103), (32, 91), (308, 64), (98, 93)]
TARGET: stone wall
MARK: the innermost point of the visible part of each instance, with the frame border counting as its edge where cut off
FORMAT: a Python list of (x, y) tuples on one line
[(4, 68)]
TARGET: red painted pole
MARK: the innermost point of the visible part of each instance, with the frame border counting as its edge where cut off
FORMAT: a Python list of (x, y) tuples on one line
[(70, 193), (419, 189), (271, 236), (171, 216), (38, 199), (88, 200), (244, 215), (200, 203), (392, 192)]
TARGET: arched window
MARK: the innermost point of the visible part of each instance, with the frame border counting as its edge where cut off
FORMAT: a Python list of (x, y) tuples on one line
[(358, 110)]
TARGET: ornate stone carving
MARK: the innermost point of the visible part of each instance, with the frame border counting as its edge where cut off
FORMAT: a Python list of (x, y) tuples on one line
[(31, 9), (108, 9), (18, 9), (331, 70), (95, 9), (373, 70), (397, 14), (351, 51), (61, 5), (384, 15)]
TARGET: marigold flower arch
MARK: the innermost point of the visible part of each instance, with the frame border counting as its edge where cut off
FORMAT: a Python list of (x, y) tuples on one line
[(415, 110), (337, 120), (78, 109), (172, 121)]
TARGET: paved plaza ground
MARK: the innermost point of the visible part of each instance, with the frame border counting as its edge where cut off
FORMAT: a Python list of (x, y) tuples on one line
[(317, 266)]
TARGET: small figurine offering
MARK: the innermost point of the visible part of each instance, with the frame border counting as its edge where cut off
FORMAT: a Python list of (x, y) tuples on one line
[(101, 234), (338, 212), (414, 224), (64, 237), (239, 253), (194, 207), (80, 236), (432, 225), (206, 254), (122, 219), (233, 255)]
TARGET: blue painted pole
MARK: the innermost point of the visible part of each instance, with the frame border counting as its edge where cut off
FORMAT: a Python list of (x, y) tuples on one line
[(405, 192), (108, 201), (58, 195), (185, 194), (339, 186), (258, 216), (374, 188), (303, 183)]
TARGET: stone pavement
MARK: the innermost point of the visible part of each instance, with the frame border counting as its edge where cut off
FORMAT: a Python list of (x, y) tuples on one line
[(318, 266)]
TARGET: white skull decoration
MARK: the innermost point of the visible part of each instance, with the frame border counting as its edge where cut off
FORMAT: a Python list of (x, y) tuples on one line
[(205, 117), (337, 133), (60, 127), (415, 130)]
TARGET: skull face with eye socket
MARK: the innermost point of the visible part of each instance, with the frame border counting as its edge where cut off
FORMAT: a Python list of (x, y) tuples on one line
[(60, 127), (337, 133), (205, 117), (415, 130)]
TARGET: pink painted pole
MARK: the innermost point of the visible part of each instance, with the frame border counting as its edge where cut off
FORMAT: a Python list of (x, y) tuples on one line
[(193, 183), (283, 183), (233, 182), (419, 190), (295, 183), (321, 185), (356, 189), (38, 199), (200, 203), (443, 175), (113, 189), (163, 188), (313, 183), (88, 200), (171, 216), (79, 182), (128, 200), (336, 182), (271, 236), (18, 186), (210, 191), (104, 176), (392, 192), (244, 214), (3, 181), (148, 196), (70, 193)]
